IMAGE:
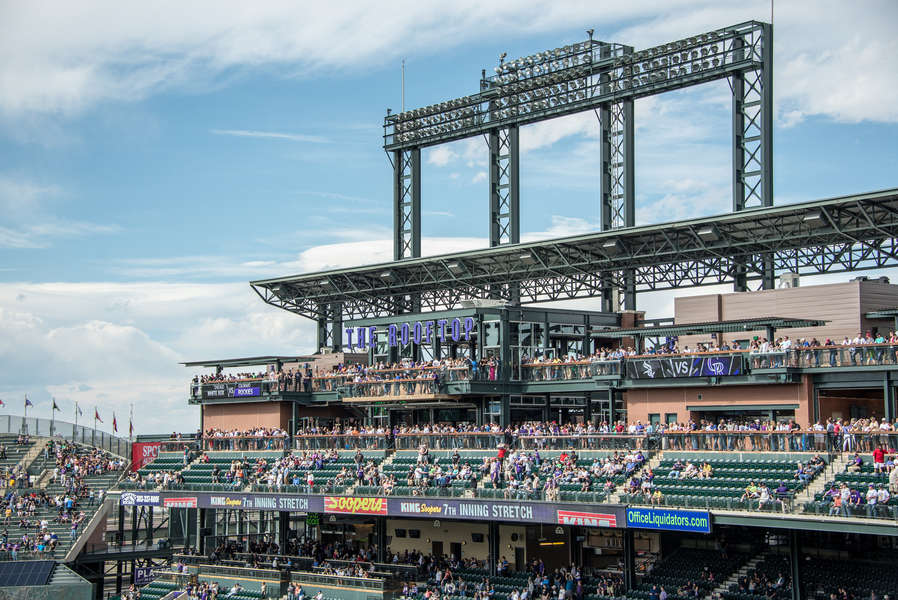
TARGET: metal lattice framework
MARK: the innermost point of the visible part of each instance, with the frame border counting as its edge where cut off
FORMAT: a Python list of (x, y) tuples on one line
[(580, 77), (852, 233), (606, 78), (407, 203), (505, 225)]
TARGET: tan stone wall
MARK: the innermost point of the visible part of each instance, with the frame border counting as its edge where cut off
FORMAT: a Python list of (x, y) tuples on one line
[(641, 403)]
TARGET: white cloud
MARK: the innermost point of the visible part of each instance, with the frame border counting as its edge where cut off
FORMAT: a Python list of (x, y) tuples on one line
[(111, 345), (63, 61), (440, 156), (274, 135), (28, 217), (479, 177)]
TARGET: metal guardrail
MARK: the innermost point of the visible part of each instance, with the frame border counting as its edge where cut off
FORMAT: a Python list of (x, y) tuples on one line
[(804, 440), (245, 443), (37, 427)]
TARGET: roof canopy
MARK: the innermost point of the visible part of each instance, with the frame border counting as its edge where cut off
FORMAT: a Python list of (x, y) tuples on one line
[(771, 323), (850, 233)]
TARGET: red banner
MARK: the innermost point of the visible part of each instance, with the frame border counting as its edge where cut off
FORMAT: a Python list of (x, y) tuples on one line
[(143, 453), (589, 519), (355, 506)]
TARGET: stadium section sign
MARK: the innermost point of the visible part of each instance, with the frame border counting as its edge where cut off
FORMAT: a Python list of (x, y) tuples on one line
[(420, 332), (687, 366), (242, 389), (664, 519)]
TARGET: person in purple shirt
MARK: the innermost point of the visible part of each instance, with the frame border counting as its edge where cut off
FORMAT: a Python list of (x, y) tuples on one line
[(856, 499)]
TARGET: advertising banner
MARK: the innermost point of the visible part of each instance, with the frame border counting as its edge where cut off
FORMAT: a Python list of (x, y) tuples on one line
[(589, 519), (664, 519), (143, 453), (685, 366), (140, 499), (490, 510), (180, 502), (469, 509), (355, 506), (240, 389), (143, 575), (279, 502)]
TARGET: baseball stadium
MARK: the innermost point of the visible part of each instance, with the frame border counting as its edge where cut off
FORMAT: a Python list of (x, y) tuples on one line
[(465, 429)]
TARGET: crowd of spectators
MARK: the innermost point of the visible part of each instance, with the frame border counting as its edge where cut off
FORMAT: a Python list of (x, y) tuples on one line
[(255, 438), (442, 578), (26, 512), (268, 375), (866, 348), (299, 470)]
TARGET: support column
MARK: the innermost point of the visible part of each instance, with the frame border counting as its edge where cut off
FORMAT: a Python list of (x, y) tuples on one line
[(118, 575), (121, 525), (330, 326), (283, 529), (795, 563), (753, 141), (406, 203), (888, 397), (629, 560), (380, 535), (134, 527), (611, 414), (505, 201), (618, 184), (505, 223), (493, 550), (200, 526)]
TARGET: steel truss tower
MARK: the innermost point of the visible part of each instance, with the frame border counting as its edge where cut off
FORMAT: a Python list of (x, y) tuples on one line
[(753, 136), (607, 78)]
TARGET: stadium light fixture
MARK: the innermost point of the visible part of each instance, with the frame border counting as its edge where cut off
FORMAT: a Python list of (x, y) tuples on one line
[(708, 233), (814, 220), (612, 247)]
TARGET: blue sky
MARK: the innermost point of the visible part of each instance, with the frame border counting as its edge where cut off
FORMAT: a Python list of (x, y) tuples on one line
[(154, 159)]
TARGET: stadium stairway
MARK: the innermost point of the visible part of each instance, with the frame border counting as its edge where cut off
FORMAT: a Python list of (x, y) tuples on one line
[(652, 463), (818, 484), (33, 452), (742, 571), (97, 482)]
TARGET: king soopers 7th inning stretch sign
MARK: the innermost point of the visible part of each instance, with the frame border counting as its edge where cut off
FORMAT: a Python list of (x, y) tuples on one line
[(420, 332), (450, 508)]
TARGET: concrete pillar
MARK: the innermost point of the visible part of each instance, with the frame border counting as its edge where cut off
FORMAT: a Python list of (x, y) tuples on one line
[(629, 561)]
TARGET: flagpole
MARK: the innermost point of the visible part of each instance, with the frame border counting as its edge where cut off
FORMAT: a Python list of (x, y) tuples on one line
[(53, 416), (131, 424)]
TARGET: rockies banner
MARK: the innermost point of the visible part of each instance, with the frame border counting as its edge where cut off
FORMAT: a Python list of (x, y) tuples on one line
[(685, 366)]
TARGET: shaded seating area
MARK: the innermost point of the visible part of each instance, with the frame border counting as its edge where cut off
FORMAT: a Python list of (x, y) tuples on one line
[(688, 569), (857, 576)]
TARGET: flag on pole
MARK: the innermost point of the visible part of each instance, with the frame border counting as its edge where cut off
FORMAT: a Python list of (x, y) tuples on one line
[(78, 408), (28, 402), (55, 406), (130, 428), (97, 416), (114, 424)]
